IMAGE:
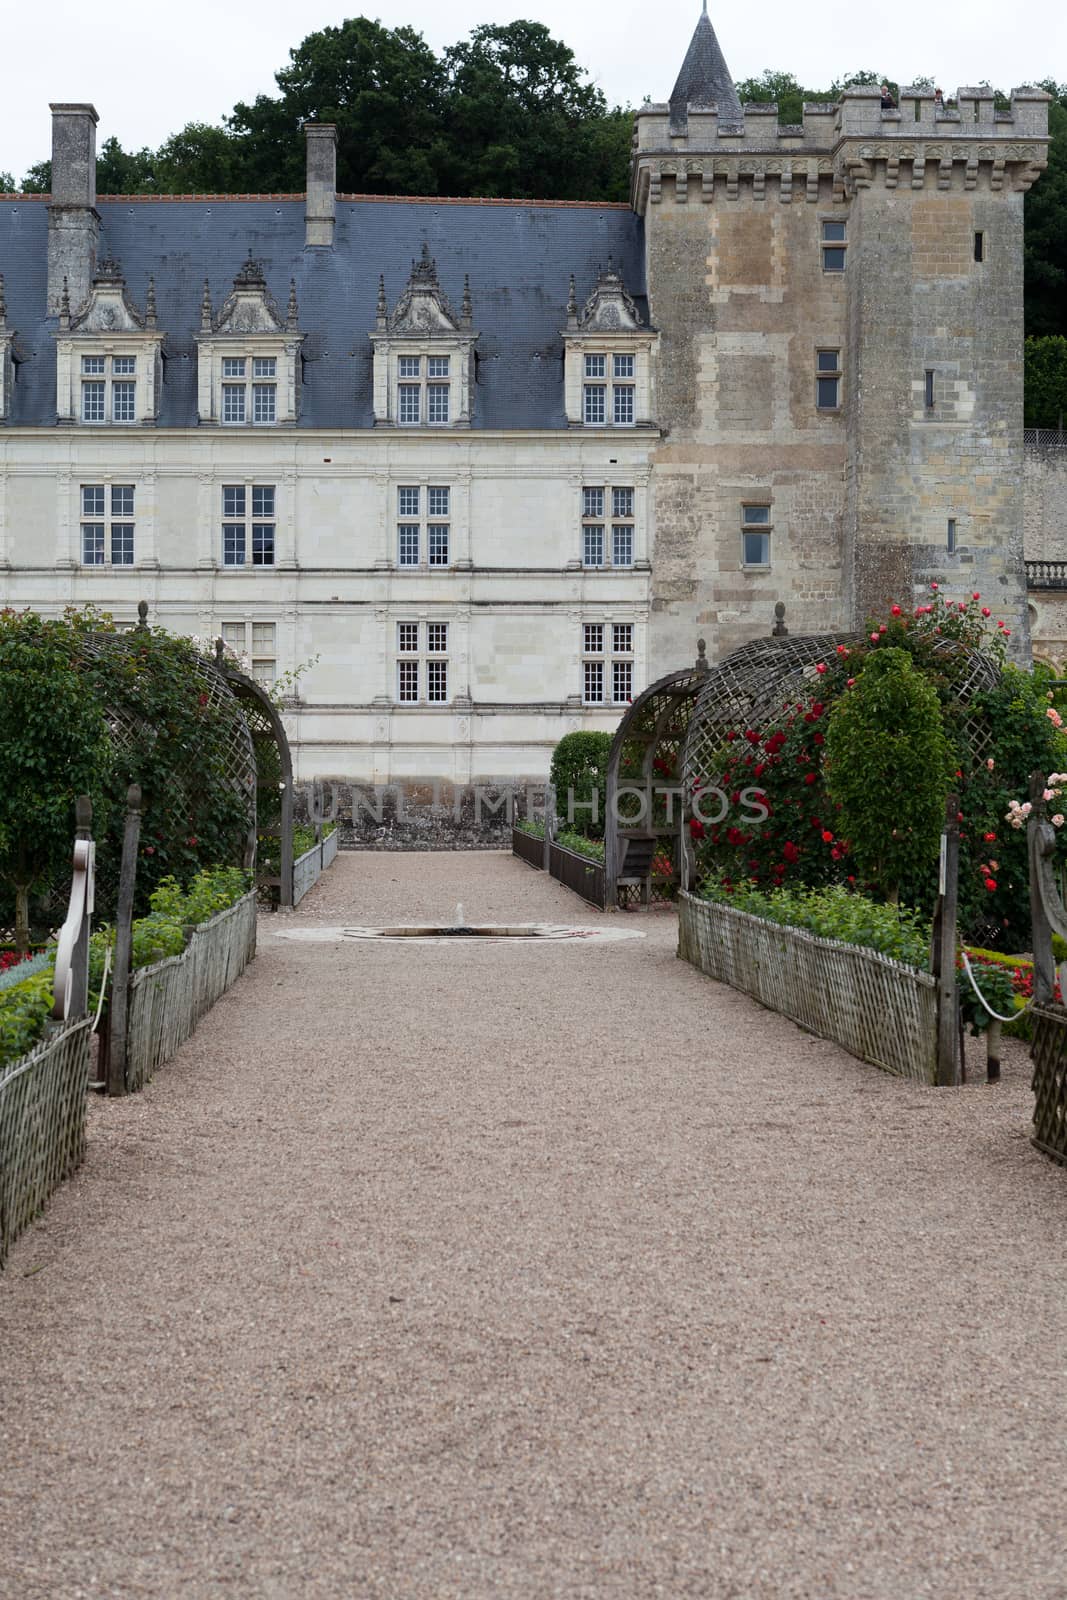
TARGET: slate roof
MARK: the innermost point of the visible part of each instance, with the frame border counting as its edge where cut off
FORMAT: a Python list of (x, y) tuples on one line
[(519, 257), (704, 79)]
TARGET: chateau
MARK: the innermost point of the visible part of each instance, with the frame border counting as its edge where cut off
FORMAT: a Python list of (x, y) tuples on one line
[(493, 466)]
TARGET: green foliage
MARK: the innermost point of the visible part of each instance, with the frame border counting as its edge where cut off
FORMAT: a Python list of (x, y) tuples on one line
[(1045, 211), (54, 746), (579, 768), (581, 844), (833, 913), (177, 746), (24, 1012), (780, 769), (888, 769), (7, 184), (1046, 381)]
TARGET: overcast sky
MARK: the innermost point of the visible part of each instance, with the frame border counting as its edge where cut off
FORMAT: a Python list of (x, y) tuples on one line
[(149, 71)]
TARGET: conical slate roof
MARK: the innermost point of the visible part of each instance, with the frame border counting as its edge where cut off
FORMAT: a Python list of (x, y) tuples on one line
[(704, 79)]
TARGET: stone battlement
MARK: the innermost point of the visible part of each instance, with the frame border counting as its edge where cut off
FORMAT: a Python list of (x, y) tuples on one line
[(858, 114)]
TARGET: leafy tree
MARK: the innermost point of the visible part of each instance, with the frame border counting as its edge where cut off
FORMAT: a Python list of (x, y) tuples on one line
[(888, 769), (54, 746), (1046, 229), (382, 87), (1046, 381), (779, 86), (7, 184)]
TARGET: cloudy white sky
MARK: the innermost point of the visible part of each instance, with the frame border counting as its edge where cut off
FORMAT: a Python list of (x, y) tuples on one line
[(149, 70)]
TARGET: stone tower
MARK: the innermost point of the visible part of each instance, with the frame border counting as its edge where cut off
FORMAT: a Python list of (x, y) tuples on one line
[(840, 367)]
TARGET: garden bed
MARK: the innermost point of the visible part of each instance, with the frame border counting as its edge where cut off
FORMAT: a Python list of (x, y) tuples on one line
[(168, 999), (309, 867), (42, 1125), (880, 1010)]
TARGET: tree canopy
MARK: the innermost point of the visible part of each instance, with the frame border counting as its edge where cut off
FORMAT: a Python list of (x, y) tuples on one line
[(506, 112)]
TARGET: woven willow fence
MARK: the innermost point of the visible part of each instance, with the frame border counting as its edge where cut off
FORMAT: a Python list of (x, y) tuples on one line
[(166, 1001), (880, 1010), (42, 1126)]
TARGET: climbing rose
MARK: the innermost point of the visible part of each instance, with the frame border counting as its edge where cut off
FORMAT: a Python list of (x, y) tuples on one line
[(976, 595), (989, 837), (933, 587), (827, 837), (874, 638), (894, 611), (991, 884), (1057, 821), (986, 611), (809, 777), (820, 666)]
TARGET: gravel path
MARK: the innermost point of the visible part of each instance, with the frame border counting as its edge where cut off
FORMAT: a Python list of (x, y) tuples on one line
[(449, 1272)]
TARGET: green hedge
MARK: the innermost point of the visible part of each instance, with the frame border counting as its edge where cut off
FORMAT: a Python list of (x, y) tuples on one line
[(25, 1004), (835, 913)]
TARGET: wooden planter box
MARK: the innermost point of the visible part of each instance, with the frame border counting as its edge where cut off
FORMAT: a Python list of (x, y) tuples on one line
[(1049, 1055), (528, 847), (577, 872), (878, 1009)]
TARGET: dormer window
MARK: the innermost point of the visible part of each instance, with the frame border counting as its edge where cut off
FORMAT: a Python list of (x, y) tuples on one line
[(249, 370), (108, 356), (423, 355), (109, 388), (608, 375)]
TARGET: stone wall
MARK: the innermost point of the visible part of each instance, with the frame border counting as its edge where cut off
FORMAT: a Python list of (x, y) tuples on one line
[(737, 290), (428, 815)]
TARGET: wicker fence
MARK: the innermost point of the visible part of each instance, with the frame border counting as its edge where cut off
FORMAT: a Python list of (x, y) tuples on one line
[(1049, 1054), (42, 1126), (880, 1010), (308, 868), (166, 1001)]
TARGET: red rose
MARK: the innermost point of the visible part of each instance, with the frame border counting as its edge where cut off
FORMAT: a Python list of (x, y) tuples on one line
[(827, 837), (991, 884), (894, 611), (809, 777)]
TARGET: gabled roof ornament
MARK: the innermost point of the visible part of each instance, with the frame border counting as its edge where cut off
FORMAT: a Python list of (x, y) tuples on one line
[(64, 305), (382, 314), (466, 310), (425, 269), (609, 307), (3, 306), (206, 313), (251, 275), (292, 313), (150, 304), (572, 305)]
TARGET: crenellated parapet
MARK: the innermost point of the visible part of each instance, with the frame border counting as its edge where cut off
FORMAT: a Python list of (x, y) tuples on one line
[(922, 143)]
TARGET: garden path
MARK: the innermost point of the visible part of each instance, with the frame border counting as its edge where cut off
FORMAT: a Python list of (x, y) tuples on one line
[(433, 1271)]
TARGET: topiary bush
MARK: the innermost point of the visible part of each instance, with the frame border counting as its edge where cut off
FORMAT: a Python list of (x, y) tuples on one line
[(579, 768), (888, 770)]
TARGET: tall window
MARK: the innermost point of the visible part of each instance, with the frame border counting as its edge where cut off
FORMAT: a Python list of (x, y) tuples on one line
[(422, 663), (833, 246), (828, 380), (107, 524), (608, 390), (756, 536), (424, 390), (109, 388), (603, 543), (249, 389), (256, 643), (248, 524), (607, 663), (424, 525)]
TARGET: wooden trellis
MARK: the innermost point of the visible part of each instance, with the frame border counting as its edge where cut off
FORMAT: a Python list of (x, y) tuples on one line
[(644, 803)]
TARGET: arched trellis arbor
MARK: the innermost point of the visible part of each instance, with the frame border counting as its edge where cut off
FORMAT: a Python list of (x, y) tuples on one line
[(217, 749), (752, 686), (273, 768), (644, 804)]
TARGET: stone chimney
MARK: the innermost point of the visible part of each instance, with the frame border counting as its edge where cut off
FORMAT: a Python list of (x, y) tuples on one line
[(73, 220), (321, 202)]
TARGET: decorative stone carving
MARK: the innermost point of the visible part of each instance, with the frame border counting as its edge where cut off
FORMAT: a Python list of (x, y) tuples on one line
[(436, 347), (248, 357), (109, 355)]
